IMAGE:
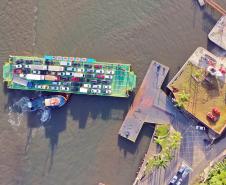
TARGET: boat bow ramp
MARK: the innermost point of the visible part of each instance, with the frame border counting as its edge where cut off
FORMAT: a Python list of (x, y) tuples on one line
[(151, 105)]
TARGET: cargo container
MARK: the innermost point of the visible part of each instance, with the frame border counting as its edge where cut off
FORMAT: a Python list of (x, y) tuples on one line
[(55, 68), (34, 77), (37, 67), (51, 77)]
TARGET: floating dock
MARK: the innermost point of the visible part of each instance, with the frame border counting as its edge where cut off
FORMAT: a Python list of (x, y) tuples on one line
[(144, 107), (218, 33), (69, 75)]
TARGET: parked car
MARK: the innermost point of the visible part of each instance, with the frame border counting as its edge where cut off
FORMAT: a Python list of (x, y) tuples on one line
[(96, 86), (80, 70), (107, 91), (28, 61), (106, 82), (75, 84), (90, 76), (76, 64), (179, 182), (56, 83), (107, 86), (19, 61), (36, 72), (100, 71), (65, 88), (181, 170), (75, 79), (18, 66), (26, 70), (97, 66), (55, 88), (90, 70), (17, 71), (95, 91), (110, 72), (108, 76), (87, 85), (185, 173), (61, 73), (75, 89), (173, 180), (200, 128), (100, 76), (87, 65)]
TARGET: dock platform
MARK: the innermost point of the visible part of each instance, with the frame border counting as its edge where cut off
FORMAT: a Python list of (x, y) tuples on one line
[(145, 108)]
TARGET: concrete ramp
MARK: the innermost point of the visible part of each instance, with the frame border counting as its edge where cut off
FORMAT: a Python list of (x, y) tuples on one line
[(144, 108)]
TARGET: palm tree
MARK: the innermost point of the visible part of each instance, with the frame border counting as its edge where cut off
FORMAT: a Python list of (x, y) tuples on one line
[(184, 97)]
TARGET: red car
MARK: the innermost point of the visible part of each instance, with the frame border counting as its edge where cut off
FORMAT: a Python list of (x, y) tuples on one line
[(211, 117), (97, 66), (75, 79), (17, 71), (100, 76)]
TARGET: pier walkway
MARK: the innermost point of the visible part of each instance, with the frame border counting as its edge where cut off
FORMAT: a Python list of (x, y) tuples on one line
[(150, 105), (216, 6)]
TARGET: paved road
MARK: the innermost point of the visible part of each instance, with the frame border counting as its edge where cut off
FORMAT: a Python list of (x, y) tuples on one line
[(195, 151)]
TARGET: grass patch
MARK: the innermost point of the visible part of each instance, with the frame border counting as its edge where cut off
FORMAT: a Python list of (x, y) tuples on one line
[(169, 142)]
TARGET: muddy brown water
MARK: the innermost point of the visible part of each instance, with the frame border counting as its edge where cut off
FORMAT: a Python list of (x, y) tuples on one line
[(80, 145)]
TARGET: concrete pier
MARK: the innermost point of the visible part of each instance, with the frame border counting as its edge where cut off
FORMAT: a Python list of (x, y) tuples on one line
[(150, 103)]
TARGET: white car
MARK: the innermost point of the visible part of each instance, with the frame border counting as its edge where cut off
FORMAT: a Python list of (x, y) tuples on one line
[(56, 83), (45, 87), (36, 72), (80, 70), (100, 71), (200, 128), (108, 91), (110, 72), (27, 66), (107, 86), (71, 69), (69, 73), (108, 76), (87, 85), (95, 91), (173, 180), (61, 73), (65, 88), (18, 66), (54, 88), (38, 86), (96, 86)]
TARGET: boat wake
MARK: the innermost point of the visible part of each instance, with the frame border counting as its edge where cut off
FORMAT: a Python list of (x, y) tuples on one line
[(18, 110)]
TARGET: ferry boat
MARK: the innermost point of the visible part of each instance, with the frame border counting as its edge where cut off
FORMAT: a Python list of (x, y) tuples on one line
[(53, 101), (69, 75)]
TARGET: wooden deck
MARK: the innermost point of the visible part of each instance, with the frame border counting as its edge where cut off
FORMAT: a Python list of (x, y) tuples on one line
[(149, 104)]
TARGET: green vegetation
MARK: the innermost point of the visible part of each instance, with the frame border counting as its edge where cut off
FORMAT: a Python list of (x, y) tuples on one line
[(197, 74), (183, 98), (169, 142), (217, 175)]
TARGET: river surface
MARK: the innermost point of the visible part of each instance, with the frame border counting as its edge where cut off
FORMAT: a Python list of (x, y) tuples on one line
[(80, 145)]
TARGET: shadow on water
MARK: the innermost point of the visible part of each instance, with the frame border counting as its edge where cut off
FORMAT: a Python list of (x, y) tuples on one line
[(208, 21), (130, 147), (82, 107)]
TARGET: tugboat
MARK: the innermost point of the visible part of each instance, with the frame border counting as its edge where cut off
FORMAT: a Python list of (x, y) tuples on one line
[(52, 101)]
